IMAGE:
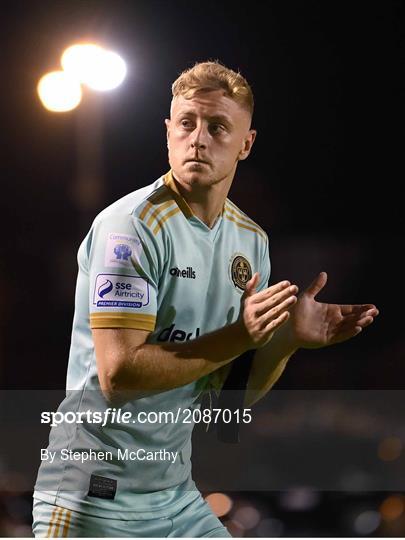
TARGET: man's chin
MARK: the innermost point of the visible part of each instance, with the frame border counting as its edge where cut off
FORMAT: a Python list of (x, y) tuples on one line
[(195, 176)]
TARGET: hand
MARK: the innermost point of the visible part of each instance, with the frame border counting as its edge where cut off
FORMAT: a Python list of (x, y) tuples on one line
[(314, 324), (265, 311)]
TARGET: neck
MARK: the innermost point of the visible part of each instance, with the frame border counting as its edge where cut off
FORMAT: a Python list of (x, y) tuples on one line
[(206, 202)]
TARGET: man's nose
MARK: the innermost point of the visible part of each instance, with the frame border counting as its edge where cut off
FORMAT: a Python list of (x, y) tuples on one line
[(197, 144), (198, 139)]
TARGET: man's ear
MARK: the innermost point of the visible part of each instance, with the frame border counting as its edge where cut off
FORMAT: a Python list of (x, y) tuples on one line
[(167, 122), (247, 144)]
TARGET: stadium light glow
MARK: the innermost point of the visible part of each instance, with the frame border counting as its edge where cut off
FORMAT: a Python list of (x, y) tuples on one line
[(59, 92), (220, 503), (392, 507), (248, 516), (367, 522), (94, 66)]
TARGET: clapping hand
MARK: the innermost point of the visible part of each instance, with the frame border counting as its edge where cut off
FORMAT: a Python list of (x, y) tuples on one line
[(315, 324)]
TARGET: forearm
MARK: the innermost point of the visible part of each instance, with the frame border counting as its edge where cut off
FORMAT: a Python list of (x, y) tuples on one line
[(130, 367), (269, 363), (160, 367)]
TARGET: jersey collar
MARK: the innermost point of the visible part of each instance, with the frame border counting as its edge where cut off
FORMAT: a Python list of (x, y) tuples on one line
[(170, 183)]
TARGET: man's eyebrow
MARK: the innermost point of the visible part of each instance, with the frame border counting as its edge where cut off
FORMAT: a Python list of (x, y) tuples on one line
[(222, 118), (215, 117), (185, 112)]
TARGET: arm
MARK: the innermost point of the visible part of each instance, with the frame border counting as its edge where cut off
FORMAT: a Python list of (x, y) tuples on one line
[(127, 364), (311, 325), (269, 363)]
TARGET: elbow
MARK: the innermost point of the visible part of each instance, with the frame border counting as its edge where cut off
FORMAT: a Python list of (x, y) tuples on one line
[(109, 387), (116, 382), (120, 379)]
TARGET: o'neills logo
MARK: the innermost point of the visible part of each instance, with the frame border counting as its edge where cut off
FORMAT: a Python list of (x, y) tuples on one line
[(187, 273), (241, 271)]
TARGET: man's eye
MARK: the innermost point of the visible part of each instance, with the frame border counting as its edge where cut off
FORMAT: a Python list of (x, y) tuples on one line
[(186, 123), (217, 128)]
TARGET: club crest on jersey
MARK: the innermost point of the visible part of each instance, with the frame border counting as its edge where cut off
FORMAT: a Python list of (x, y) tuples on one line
[(240, 271)]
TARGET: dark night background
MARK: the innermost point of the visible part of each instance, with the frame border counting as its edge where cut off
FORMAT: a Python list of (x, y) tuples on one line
[(325, 178)]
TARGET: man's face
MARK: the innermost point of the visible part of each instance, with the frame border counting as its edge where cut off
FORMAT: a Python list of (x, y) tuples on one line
[(207, 135)]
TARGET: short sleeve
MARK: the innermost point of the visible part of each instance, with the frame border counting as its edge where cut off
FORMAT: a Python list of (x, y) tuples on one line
[(124, 267)]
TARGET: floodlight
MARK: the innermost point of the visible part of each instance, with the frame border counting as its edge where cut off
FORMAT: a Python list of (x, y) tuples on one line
[(59, 91)]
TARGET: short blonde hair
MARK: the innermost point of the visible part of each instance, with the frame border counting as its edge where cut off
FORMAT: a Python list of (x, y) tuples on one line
[(206, 76)]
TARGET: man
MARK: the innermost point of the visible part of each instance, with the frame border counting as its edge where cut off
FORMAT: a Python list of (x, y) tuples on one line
[(172, 287)]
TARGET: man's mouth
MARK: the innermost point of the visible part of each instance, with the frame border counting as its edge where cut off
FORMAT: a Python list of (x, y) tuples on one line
[(196, 161)]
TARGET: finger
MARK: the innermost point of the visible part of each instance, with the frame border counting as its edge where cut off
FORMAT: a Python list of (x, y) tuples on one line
[(252, 284), (347, 309), (370, 313), (317, 285), (276, 323), (266, 293), (269, 303), (350, 329), (352, 321), (357, 317), (347, 334), (365, 321), (275, 312)]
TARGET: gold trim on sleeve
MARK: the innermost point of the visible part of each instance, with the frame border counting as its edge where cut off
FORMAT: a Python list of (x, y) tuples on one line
[(160, 222), (235, 211), (243, 226), (155, 205), (154, 215), (138, 321), (145, 210)]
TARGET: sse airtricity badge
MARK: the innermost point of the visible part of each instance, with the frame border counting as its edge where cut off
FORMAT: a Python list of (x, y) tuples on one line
[(241, 271)]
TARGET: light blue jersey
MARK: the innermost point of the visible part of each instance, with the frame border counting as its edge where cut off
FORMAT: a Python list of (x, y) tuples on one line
[(148, 263)]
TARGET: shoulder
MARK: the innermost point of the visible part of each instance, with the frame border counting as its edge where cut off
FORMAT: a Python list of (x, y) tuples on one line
[(147, 208), (235, 215), (130, 204), (156, 209)]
